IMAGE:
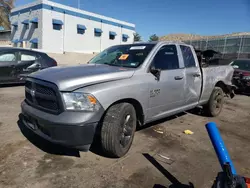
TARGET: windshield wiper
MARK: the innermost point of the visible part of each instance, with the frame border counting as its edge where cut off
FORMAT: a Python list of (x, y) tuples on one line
[(110, 64), (118, 65)]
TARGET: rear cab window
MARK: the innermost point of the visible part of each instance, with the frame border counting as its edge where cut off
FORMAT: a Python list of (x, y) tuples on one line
[(188, 56)]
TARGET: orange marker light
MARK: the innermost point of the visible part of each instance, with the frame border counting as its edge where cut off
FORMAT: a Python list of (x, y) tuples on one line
[(92, 100)]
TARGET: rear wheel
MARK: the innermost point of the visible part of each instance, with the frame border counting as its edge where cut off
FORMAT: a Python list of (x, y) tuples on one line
[(214, 106), (118, 129)]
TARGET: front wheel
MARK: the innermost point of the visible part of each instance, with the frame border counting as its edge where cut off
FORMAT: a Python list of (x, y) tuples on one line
[(118, 128), (214, 106)]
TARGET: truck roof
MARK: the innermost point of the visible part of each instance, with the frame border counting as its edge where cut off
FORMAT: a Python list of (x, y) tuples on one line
[(161, 42)]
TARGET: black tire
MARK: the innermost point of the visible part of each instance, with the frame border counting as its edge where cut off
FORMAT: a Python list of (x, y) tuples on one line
[(215, 104), (118, 128)]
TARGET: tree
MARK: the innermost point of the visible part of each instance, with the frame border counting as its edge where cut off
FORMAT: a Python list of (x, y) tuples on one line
[(137, 37), (5, 8), (153, 37)]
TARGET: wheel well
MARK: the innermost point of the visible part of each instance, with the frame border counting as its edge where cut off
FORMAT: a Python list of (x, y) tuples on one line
[(138, 108), (223, 86)]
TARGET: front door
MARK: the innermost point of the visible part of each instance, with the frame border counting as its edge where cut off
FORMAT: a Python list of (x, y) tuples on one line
[(193, 77), (8, 61), (167, 93)]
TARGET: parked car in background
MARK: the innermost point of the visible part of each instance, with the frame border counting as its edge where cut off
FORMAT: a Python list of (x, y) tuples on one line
[(241, 77), (122, 87), (16, 63)]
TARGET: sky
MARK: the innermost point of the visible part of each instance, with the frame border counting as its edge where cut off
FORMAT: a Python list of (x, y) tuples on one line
[(162, 17)]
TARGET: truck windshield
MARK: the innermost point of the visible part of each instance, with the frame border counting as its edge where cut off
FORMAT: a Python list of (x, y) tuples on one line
[(132, 55), (242, 64)]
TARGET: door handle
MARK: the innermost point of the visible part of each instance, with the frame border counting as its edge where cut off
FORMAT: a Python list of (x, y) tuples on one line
[(196, 75), (178, 77)]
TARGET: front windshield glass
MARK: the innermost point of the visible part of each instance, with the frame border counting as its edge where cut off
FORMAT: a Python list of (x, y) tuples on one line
[(242, 64), (132, 55)]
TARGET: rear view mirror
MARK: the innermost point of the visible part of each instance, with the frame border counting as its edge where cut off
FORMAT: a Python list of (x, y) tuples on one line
[(156, 72), (235, 66)]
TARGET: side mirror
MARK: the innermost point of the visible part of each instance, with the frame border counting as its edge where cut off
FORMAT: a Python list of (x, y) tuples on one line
[(156, 72), (235, 66), (34, 66)]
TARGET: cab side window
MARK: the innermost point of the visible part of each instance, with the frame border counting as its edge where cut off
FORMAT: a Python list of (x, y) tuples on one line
[(27, 57), (188, 56), (166, 58), (7, 57)]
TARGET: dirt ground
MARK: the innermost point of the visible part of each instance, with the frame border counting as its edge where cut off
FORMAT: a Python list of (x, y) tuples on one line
[(192, 159)]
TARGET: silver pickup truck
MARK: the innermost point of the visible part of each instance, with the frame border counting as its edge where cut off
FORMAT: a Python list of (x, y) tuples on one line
[(123, 87)]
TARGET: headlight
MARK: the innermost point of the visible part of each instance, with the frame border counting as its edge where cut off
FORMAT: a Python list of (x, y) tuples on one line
[(80, 101), (246, 78)]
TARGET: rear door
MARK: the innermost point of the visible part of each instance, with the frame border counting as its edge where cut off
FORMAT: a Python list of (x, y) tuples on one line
[(27, 63), (8, 61), (193, 76)]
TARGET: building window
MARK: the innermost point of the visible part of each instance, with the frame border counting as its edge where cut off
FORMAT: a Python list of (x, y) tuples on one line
[(81, 29), (34, 21), (34, 45), (35, 25), (125, 38), (57, 27), (15, 28), (57, 24), (26, 26), (112, 35), (98, 32)]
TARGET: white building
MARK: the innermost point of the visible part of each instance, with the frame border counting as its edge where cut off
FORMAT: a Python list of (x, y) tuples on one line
[(57, 28)]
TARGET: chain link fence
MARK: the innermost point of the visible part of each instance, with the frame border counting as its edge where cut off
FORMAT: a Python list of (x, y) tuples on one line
[(233, 47)]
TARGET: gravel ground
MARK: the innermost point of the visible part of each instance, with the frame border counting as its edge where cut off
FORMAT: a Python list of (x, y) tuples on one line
[(29, 161)]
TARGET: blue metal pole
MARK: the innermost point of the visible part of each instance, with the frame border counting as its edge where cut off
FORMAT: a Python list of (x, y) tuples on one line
[(219, 146)]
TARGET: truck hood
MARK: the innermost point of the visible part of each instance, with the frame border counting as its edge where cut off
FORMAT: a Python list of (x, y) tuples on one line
[(74, 77)]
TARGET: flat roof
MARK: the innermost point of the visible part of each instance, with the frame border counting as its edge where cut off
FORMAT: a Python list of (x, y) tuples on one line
[(60, 8)]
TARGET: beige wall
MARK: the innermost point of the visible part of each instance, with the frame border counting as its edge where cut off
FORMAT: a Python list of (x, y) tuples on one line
[(68, 59)]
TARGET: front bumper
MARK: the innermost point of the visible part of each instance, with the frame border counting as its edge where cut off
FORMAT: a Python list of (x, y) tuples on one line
[(70, 128)]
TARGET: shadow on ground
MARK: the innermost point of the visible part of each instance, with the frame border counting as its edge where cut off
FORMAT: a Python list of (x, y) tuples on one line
[(45, 145), (175, 182)]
